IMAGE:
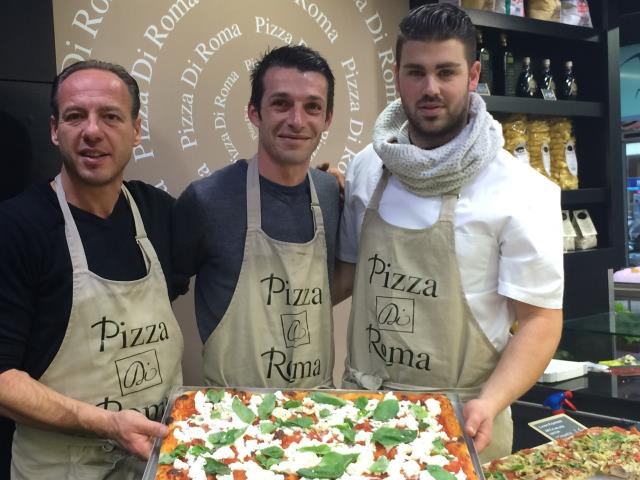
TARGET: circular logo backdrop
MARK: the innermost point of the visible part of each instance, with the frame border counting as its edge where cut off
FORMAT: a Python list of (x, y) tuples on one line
[(192, 60)]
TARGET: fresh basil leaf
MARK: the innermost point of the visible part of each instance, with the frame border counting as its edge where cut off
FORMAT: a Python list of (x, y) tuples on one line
[(267, 427), (300, 422), (214, 396), (386, 410), (243, 412), (197, 450), (267, 406), (333, 465), (266, 462), (496, 475), (419, 411), (325, 412), (216, 414), (289, 404), (390, 437), (222, 439), (361, 403), (327, 399), (516, 467), (440, 473), (380, 465), (438, 446), (319, 450), (180, 450), (348, 432), (166, 459), (273, 452), (216, 468)]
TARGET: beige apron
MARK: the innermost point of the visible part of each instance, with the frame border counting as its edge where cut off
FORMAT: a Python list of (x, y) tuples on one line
[(278, 328), (410, 325), (122, 350)]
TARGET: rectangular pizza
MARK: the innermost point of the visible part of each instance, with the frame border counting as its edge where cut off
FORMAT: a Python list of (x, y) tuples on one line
[(228, 434), (612, 451)]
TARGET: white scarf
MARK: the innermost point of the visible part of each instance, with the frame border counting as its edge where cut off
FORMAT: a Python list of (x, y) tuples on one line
[(443, 169)]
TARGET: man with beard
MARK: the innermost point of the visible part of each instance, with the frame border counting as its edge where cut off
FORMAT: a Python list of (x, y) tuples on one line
[(259, 235), (89, 344), (454, 240)]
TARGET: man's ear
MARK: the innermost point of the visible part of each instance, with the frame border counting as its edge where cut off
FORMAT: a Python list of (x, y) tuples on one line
[(137, 126), (53, 128), (328, 119), (474, 76), (254, 115)]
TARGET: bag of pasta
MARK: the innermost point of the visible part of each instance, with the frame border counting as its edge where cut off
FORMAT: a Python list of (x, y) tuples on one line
[(510, 7), (544, 9), (538, 144), (478, 4), (514, 130), (564, 164)]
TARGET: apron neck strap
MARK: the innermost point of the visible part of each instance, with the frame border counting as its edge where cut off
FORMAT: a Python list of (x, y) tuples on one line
[(254, 209), (374, 201), (74, 242), (137, 218), (448, 208)]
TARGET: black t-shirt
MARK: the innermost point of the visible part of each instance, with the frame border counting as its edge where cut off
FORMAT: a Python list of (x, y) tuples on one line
[(35, 267), (210, 225)]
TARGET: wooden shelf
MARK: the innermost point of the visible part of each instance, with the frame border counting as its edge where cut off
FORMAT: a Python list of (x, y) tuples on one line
[(538, 106), (482, 18), (584, 196)]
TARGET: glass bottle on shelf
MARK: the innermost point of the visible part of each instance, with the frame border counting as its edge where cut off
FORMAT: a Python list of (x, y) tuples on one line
[(484, 57), (568, 89), (505, 78), (546, 78), (527, 85)]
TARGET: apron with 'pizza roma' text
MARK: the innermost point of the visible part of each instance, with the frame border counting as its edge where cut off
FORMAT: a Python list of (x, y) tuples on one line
[(411, 327), (278, 328), (122, 350)]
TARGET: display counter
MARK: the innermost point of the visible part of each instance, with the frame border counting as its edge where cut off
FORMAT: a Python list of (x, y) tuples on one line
[(601, 398)]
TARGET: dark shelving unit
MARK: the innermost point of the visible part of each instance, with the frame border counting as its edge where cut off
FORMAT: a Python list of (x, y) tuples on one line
[(596, 119), (538, 106)]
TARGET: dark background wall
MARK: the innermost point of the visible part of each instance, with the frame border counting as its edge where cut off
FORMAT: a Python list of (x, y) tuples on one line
[(27, 67), (26, 70)]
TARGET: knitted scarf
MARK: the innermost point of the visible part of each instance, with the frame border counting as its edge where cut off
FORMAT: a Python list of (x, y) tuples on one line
[(442, 169)]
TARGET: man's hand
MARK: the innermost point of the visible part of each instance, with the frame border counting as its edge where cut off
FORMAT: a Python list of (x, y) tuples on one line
[(478, 423), (326, 167), (135, 432)]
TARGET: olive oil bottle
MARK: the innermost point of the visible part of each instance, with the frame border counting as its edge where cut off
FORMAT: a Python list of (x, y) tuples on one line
[(527, 85), (546, 78), (484, 57), (506, 75), (568, 89)]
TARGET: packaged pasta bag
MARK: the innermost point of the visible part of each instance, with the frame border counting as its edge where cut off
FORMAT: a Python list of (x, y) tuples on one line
[(478, 4), (564, 163), (544, 9), (576, 12), (510, 7), (538, 144), (514, 130)]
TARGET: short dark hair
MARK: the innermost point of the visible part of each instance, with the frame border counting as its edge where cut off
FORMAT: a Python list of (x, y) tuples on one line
[(439, 22), (297, 56), (118, 70)]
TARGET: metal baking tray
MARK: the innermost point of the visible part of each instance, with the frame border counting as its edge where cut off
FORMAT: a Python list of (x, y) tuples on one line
[(152, 464)]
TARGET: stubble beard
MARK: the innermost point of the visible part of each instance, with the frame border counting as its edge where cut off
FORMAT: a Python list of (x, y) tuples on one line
[(433, 138)]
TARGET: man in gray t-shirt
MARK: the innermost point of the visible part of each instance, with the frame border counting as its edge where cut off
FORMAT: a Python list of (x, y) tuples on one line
[(262, 249)]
